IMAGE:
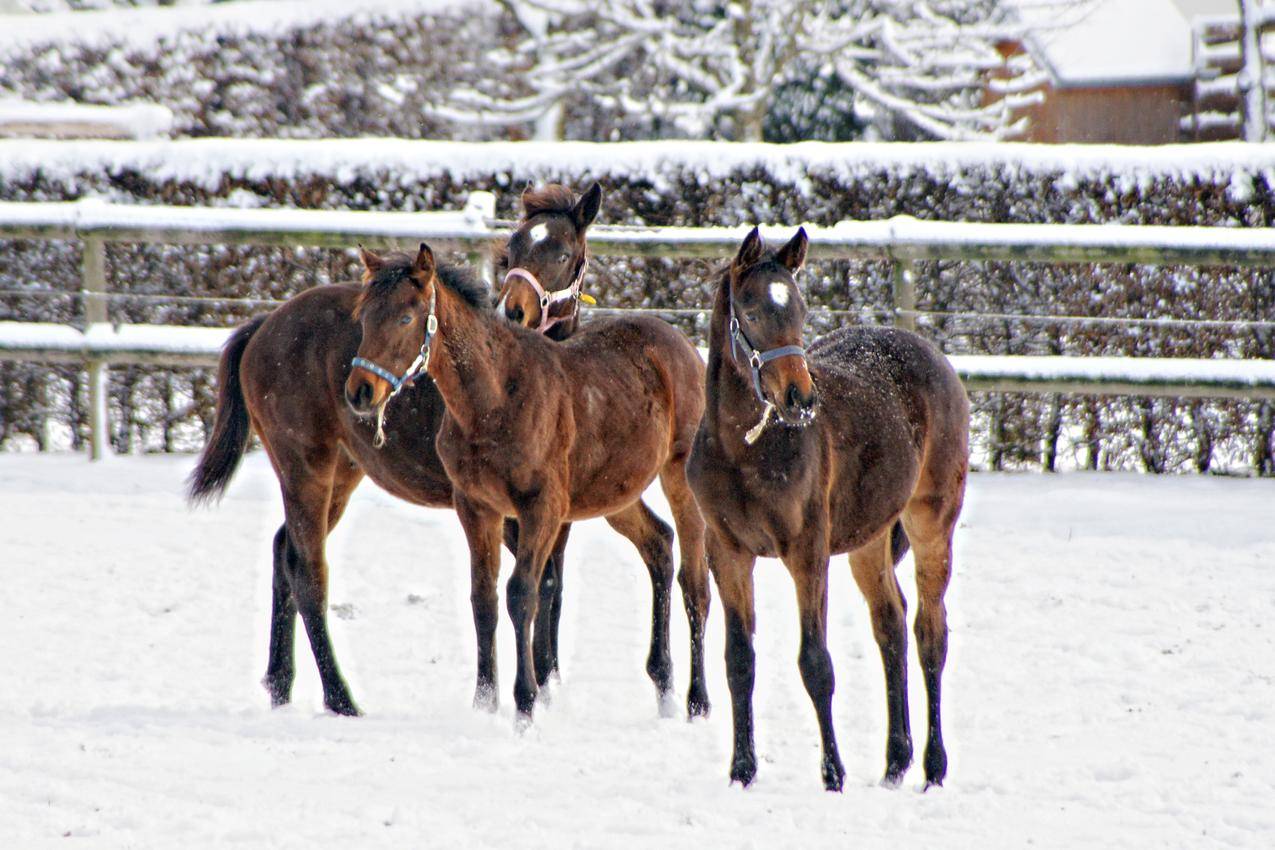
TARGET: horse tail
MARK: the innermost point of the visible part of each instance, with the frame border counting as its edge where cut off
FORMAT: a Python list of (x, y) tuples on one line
[(231, 428), (899, 543)]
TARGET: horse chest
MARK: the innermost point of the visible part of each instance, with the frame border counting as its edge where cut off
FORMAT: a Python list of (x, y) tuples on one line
[(765, 511)]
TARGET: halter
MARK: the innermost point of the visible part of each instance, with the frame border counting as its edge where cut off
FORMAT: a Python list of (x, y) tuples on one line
[(756, 359), (419, 365), (548, 299)]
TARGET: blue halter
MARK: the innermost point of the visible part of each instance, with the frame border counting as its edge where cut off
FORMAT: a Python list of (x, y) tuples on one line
[(756, 359)]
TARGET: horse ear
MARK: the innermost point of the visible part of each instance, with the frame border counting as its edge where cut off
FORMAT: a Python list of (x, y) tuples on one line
[(371, 262), (793, 255), (750, 252), (424, 262), (586, 209)]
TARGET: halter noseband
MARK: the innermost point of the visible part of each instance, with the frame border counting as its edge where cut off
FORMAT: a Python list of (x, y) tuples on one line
[(419, 365), (756, 359), (548, 299)]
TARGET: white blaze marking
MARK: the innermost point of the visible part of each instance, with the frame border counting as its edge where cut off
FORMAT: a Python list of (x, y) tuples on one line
[(539, 233), (779, 294)]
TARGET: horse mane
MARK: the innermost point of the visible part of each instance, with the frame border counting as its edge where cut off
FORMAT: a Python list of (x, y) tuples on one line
[(550, 198), (398, 267)]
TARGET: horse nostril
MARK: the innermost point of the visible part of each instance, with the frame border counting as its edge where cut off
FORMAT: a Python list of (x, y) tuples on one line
[(363, 396), (515, 315), (794, 397)]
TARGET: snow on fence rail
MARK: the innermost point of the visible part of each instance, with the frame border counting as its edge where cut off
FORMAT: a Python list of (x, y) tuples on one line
[(902, 241)]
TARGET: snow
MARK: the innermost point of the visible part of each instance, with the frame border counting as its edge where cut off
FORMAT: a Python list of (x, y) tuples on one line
[(137, 120), (206, 162), (1108, 682), (1132, 370), (145, 26)]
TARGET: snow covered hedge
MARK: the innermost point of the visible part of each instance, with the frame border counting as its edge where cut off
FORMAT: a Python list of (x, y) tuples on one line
[(297, 68), (690, 183)]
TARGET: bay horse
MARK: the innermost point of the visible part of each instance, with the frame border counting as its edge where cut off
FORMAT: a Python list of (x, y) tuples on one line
[(282, 375), (870, 453), (548, 433)]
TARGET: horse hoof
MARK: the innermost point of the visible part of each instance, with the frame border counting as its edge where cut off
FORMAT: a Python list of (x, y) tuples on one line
[(893, 778), (343, 708), (697, 706), (834, 776), (522, 722), (743, 770), (666, 704), (280, 691), (935, 766), (931, 783)]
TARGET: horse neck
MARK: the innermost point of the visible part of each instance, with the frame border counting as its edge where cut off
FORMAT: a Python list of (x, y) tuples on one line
[(465, 359)]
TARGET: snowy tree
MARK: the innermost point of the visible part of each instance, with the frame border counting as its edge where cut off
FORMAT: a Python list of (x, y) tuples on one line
[(715, 67)]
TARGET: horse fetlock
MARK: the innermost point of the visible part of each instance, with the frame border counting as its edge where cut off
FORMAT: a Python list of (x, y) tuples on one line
[(485, 696), (697, 703), (898, 759), (935, 764), (279, 686), (659, 666)]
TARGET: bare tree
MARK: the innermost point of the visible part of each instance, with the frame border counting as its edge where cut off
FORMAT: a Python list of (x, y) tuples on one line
[(705, 65)]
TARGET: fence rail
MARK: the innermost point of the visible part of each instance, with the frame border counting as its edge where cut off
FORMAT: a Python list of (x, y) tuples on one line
[(901, 241)]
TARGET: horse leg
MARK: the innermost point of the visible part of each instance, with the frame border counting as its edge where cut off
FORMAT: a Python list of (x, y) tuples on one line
[(482, 530), (539, 524), (810, 577), (930, 528), (654, 541), (281, 666), (549, 610), (732, 569), (692, 575), (873, 570)]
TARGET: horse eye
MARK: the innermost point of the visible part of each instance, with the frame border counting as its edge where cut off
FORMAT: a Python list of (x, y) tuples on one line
[(406, 320), (562, 258)]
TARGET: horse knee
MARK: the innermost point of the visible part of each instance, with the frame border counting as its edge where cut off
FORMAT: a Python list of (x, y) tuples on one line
[(931, 635), (518, 597), (815, 663)]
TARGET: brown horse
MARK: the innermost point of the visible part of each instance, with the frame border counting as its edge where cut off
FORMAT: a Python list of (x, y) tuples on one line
[(282, 376), (873, 431), (547, 433)]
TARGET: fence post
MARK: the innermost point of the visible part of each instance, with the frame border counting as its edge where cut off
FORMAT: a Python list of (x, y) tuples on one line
[(904, 279), (93, 293), (479, 207)]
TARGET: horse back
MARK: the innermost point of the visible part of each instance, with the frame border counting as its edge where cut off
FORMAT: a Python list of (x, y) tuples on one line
[(638, 381)]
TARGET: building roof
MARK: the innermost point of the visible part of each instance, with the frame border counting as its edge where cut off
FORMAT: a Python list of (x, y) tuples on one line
[(1101, 43)]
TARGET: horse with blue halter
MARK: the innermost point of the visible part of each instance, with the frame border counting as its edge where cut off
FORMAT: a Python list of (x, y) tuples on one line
[(857, 444), (548, 433), (282, 376)]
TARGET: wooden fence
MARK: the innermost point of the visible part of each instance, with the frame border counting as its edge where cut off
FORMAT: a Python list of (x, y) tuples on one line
[(901, 241)]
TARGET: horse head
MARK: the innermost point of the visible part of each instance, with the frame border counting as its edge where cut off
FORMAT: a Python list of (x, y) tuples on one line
[(766, 317), (395, 313), (546, 258)]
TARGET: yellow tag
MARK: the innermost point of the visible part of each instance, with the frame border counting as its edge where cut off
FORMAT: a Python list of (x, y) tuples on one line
[(587, 298)]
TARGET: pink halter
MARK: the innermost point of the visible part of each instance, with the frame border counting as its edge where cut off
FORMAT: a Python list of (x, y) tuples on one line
[(548, 299)]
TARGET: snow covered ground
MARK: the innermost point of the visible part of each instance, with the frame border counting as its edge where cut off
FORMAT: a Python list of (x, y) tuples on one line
[(1110, 682)]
